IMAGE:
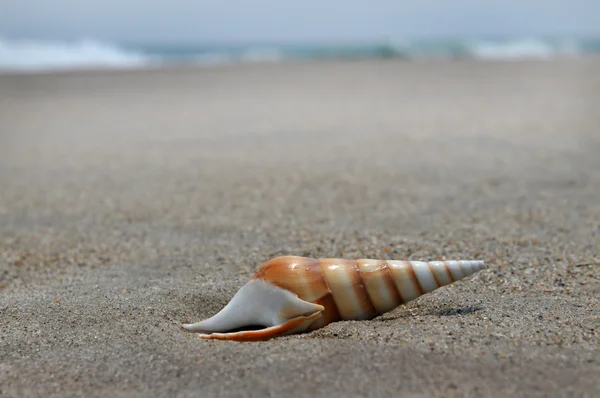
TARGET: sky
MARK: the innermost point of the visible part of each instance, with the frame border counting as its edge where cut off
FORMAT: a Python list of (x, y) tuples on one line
[(285, 20)]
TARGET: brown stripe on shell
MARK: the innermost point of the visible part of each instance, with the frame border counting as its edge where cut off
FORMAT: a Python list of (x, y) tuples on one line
[(413, 277), (440, 273), (448, 272), (401, 299), (346, 285), (432, 271), (455, 269), (404, 279), (379, 284)]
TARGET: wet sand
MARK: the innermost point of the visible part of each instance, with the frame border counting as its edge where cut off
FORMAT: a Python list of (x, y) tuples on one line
[(133, 202)]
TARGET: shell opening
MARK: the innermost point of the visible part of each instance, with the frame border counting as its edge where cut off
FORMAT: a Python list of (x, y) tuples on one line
[(259, 310), (247, 328)]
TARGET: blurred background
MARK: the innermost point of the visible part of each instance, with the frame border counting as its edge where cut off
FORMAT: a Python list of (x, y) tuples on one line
[(38, 34)]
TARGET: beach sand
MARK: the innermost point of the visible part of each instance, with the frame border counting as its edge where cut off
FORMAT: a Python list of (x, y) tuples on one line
[(134, 201)]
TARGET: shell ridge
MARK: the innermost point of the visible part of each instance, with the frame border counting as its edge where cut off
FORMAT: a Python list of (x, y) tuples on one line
[(371, 311), (466, 267), (405, 282), (432, 272), (413, 277), (347, 288), (398, 292), (326, 282), (448, 271), (324, 277), (456, 270), (425, 276), (377, 280)]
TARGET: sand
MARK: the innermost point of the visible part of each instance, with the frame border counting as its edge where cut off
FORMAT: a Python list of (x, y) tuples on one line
[(134, 201)]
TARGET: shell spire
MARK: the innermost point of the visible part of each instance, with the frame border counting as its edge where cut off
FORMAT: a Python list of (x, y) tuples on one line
[(292, 294)]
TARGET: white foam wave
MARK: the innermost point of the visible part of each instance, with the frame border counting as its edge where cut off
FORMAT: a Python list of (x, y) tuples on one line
[(519, 49), (34, 55)]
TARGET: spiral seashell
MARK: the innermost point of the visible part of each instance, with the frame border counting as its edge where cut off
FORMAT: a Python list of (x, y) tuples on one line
[(292, 294)]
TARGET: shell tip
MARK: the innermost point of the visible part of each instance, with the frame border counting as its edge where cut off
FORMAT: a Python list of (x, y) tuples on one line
[(192, 327)]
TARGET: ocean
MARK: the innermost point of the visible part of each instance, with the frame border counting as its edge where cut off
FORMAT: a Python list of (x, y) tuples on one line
[(37, 55)]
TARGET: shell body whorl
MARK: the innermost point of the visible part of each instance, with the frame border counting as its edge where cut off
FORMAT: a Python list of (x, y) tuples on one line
[(334, 289)]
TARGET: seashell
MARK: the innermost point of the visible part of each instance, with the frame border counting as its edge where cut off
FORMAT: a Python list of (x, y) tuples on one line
[(292, 294)]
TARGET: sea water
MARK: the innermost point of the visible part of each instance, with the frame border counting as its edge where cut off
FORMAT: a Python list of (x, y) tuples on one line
[(36, 55)]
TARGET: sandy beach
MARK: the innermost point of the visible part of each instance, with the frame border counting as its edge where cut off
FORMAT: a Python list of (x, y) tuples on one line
[(134, 201)]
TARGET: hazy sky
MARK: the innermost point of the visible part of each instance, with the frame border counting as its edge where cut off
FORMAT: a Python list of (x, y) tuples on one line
[(281, 20)]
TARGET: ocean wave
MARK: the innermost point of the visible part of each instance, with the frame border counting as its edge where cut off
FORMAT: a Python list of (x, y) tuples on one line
[(526, 48), (262, 54), (90, 53), (35, 55), (228, 56)]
